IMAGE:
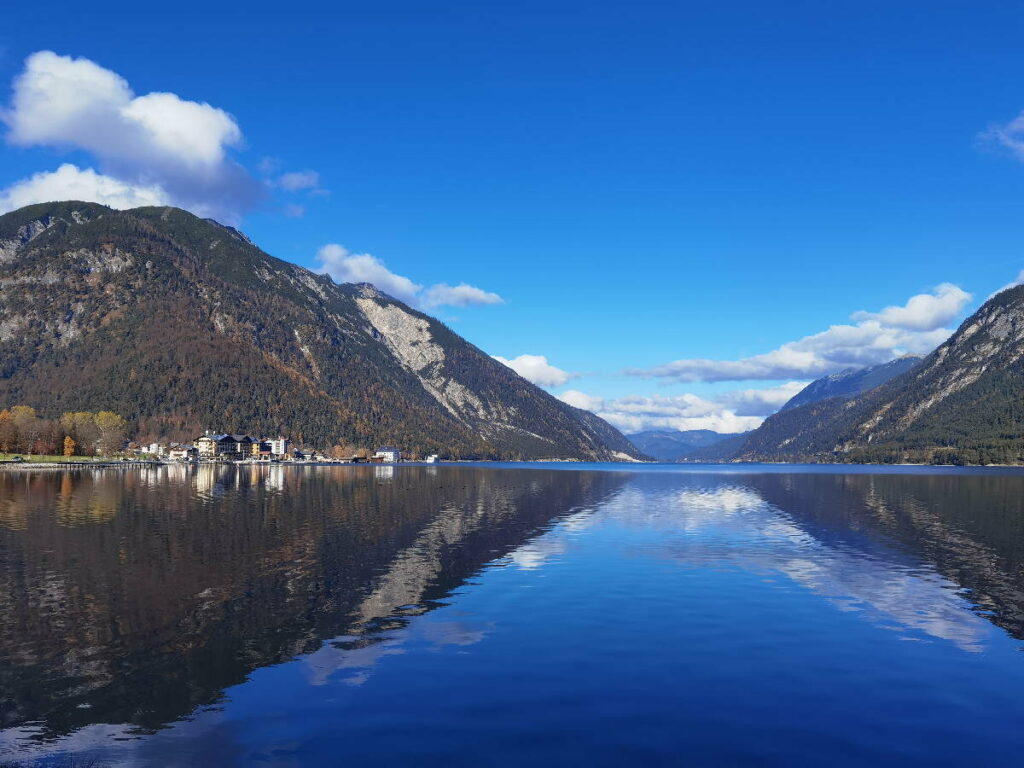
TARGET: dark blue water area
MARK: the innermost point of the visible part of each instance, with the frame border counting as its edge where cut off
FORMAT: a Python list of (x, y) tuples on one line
[(537, 615)]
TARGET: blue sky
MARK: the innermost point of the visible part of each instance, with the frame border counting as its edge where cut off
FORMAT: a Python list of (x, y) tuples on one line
[(637, 183)]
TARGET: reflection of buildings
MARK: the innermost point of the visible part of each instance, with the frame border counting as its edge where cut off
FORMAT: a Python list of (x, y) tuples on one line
[(209, 478), (274, 477), (176, 472)]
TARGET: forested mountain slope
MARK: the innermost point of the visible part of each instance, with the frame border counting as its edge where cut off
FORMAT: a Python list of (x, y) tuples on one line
[(180, 324)]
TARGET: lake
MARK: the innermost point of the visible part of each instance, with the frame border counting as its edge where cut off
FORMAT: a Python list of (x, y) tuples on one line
[(519, 614)]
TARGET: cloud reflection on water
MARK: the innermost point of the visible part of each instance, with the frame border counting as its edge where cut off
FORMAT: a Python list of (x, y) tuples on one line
[(732, 527)]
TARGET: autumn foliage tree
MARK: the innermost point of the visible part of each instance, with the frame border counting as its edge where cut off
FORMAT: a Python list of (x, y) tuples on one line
[(30, 428), (81, 425), (8, 432), (113, 429), (23, 431)]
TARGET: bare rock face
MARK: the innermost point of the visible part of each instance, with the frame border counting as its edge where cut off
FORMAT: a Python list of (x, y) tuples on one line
[(180, 323)]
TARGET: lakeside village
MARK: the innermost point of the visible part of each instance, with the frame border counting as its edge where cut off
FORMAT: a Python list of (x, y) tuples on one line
[(244, 449), (85, 436)]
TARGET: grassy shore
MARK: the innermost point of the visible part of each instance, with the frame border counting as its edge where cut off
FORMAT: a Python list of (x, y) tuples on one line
[(49, 459)]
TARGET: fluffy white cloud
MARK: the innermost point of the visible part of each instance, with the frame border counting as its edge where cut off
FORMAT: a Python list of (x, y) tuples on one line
[(155, 141), (299, 180), (735, 411), (923, 312), (578, 399), (347, 267), (635, 413), (537, 369), (461, 295), (760, 402), (876, 338), (69, 182)]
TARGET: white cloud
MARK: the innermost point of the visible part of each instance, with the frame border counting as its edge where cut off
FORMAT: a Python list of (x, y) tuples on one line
[(537, 369), (299, 180), (923, 312), (635, 413), (347, 267), (461, 295), (876, 338), (293, 211), (578, 399), (734, 411), (155, 141), (69, 182), (760, 402)]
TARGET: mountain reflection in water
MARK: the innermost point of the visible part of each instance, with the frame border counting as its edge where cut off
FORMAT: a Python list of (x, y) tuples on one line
[(134, 596), (133, 599)]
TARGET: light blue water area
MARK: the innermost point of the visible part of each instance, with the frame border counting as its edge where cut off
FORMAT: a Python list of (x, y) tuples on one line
[(541, 615)]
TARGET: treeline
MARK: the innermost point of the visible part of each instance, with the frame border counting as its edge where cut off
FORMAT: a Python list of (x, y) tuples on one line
[(1003, 452), (81, 433)]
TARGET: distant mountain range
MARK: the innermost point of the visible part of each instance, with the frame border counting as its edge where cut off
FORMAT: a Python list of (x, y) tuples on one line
[(963, 404), (677, 445), (851, 382), (182, 324), (707, 445)]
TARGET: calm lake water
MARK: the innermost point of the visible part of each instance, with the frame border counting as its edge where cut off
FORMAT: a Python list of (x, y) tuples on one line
[(513, 615)]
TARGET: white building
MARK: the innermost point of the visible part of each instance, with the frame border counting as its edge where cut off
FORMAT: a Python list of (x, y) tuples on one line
[(388, 455)]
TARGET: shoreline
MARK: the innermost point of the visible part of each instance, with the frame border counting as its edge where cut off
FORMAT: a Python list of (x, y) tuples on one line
[(28, 466)]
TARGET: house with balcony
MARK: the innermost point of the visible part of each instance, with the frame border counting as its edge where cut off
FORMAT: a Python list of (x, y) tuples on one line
[(213, 445)]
